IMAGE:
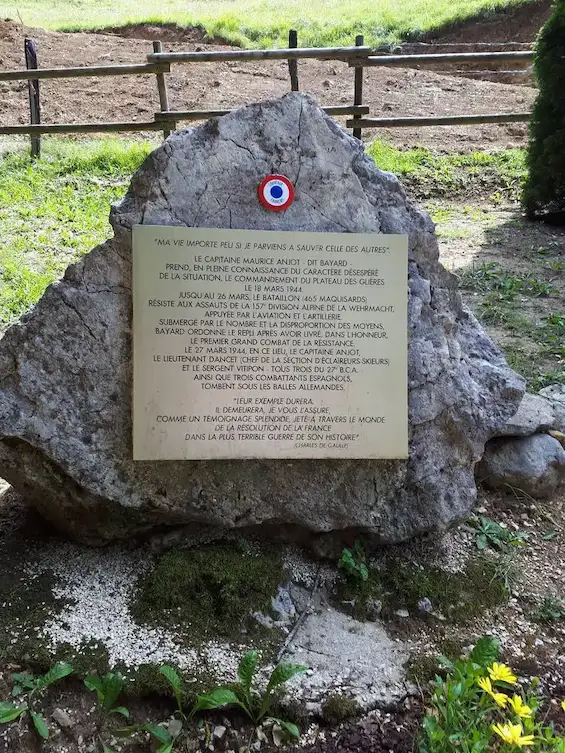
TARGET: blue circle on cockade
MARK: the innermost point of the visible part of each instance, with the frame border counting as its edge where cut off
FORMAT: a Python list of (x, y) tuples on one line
[(276, 192)]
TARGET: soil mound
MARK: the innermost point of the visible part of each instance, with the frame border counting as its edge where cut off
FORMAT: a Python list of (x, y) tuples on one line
[(164, 32)]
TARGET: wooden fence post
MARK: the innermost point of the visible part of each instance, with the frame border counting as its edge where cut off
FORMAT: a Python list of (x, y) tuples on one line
[(163, 94), (358, 89), (33, 94), (293, 64)]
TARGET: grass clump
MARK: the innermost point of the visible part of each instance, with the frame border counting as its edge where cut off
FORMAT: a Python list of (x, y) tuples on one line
[(54, 210), (491, 278), (428, 174), (211, 590)]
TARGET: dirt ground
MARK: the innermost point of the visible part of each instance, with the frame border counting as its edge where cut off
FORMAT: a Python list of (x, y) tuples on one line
[(532, 645), (387, 91)]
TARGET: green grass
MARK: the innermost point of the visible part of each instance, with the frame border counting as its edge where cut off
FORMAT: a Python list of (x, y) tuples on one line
[(54, 211), (428, 174), (492, 279), (263, 23)]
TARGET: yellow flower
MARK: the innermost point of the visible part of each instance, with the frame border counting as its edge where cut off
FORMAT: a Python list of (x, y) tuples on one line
[(563, 705), (512, 734), (519, 707), (501, 673), (485, 684), (499, 698)]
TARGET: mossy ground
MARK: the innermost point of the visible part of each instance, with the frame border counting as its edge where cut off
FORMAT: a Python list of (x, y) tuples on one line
[(422, 668), (210, 590), (337, 708), (397, 585), (198, 596), (27, 602)]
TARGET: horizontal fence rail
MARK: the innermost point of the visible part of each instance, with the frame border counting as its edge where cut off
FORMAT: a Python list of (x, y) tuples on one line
[(320, 53), (45, 128), (358, 57), (510, 117), (205, 114), (100, 70), (439, 58)]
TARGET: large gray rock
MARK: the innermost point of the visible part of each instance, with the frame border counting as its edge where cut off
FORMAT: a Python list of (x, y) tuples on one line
[(535, 465), (65, 368)]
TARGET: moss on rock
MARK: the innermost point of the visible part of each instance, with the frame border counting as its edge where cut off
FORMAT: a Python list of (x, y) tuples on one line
[(338, 708), (212, 589)]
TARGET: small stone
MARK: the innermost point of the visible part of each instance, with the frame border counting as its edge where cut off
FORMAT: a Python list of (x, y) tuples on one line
[(174, 727), (402, 613), (62, 718), (554, 392), (425, 605), (278, 735), (373, 608), (219, 731)]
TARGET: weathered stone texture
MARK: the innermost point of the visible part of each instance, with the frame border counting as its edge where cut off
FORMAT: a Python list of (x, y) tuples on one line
[(66, 374), (535, 465), (535, 414)]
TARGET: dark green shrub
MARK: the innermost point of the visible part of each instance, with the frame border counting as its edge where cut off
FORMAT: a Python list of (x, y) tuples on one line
[(544, 190)]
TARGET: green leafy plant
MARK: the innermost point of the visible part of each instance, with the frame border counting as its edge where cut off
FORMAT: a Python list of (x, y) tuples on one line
[(495, 280), (163, 737), (492, 534), (480, 706), (255, 704), (550, 609), (176, 684), (544, 189), (353, 563), (35, 687), (108, 689)]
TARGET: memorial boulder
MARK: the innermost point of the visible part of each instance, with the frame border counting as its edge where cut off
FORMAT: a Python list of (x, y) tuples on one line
[(66, 368)]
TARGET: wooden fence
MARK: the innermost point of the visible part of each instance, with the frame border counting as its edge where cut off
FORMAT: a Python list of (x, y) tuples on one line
[(166, 120)]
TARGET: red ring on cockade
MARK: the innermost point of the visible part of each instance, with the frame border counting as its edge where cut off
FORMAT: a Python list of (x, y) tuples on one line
[(276, 192)]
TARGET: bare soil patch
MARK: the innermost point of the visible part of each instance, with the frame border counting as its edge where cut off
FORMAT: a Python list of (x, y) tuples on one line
[(507, 29), (516, 24), (388, 92), (167, 33)]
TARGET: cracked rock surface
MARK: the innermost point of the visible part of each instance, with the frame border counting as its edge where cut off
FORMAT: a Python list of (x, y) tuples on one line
[(66, 372)]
